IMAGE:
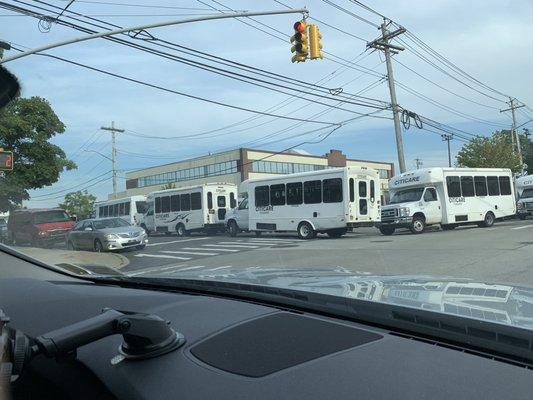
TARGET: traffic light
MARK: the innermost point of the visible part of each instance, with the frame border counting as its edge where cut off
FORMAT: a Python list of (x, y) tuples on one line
[(315, 43), (6, 160), (300, 47)]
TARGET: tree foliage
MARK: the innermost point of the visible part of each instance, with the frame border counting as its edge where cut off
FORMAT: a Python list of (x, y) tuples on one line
[(79, 203), (169, 185), (489, 152), (26, 128)]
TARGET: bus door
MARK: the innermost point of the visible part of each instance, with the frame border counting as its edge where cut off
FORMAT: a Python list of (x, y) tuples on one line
[(363, 202)]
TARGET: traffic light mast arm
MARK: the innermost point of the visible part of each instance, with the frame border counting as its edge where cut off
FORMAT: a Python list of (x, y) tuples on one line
[(148, 26)]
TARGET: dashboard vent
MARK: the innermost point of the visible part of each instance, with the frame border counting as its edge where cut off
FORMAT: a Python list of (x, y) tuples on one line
[(272, 343)]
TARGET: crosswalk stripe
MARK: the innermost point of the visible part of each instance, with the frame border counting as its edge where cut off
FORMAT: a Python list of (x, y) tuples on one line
[(230, 244), (162, 256), (158, 269), (207, 247), (176, 241), (188, 252), (523, 227), (269, 243), (273, 239)]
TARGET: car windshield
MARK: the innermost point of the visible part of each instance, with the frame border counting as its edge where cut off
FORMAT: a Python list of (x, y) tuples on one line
[(289, 148), (406, 195), (50, 216), (109, 223), (527, 193)]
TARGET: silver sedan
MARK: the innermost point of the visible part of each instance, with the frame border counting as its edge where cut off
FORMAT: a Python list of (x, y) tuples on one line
[(106, 234)]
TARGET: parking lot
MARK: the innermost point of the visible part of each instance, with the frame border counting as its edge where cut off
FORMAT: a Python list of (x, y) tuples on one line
[(502, 253)]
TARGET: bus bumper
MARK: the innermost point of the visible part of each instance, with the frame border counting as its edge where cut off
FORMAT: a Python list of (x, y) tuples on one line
[(352, 225), (400, 222)]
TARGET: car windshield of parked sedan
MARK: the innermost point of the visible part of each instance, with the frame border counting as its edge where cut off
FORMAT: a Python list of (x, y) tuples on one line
[(109, 223), (527, 194), (51, 216), (405, 196)]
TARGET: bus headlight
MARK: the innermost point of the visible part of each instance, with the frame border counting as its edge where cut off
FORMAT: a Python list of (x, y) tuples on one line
[(404, 212), (520, 206)]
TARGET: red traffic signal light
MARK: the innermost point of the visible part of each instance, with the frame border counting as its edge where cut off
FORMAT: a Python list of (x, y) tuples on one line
[(299, 26)]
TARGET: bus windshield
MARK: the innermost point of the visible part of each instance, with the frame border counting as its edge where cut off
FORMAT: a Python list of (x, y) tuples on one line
[(141, 206), (407, 195), (527, 193)]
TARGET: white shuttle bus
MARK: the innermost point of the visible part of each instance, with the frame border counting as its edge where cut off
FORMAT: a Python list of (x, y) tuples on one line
[(329, 201), (449, 197), (130, 209), (189, 209), (524, 191)]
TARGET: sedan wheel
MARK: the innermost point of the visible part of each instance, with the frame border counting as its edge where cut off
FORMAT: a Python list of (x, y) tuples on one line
[(98, 246)]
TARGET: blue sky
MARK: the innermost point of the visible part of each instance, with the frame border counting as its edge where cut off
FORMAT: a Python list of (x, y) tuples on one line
[(479, 36)]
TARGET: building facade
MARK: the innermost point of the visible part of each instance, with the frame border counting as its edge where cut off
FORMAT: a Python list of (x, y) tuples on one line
[(235, 166)]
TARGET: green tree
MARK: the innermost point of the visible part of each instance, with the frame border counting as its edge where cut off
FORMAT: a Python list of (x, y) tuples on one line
[(79, 203), (26, 128), (169, 185), (489, 152), (527, 152)]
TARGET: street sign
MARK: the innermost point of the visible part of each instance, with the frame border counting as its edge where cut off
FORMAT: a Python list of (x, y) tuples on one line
[(6, 160)]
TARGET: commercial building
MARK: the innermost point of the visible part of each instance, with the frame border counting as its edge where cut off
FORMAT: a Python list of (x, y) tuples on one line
[(237, 165)]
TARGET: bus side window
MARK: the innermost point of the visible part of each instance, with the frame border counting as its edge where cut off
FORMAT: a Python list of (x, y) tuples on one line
[(196, 201), (115, 210), (352, 190), (494, 187), (294, 193), (209, 200), (480, 184), (332, 190), (127, 208), (505, 185), (312, 192), (157, 205), (372, 190), (453, 185), (467, 186), (121, 209), (262, 196), (175, 202), (165, 204), (362, 189), (232, 201), (277, 195), (185, 202)]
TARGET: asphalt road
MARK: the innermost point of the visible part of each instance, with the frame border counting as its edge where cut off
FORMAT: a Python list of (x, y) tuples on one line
[(503, 253)]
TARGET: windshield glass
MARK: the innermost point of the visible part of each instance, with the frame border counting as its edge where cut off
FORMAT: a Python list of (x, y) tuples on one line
[(527, 193), (221, 150), (109, 223), (407, 195), (50, 216)]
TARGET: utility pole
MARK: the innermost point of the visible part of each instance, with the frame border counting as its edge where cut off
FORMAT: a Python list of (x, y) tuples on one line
[(383, 43), (515, 138), (113, 131), (418, 162), (447, 138)]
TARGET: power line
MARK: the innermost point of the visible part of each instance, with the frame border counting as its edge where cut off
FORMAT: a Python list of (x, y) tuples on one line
[(142, 5), (344, 10), (73, 187), (368, 9)]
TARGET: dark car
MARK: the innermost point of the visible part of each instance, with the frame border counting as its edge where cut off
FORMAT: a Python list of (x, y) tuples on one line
[(39, 227)]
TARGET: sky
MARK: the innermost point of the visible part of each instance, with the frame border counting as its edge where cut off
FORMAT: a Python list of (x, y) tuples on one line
[(488, 39)]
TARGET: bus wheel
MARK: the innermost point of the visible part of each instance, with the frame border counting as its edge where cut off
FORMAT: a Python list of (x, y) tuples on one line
[(232, 228), (336, 233), (258, 233), (522, 216), (488, 221), (418, 225), (306, 231), (180, 230), (387, 230)]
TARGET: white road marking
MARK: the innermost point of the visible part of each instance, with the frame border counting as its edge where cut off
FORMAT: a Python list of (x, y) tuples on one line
[(273, 239), (208, 247), (217, 268), (189, 268), (522, 227), (176, 241), (188, 252), (231, 244), (251, 243), (162, 256), (272, 243), (157, 269)]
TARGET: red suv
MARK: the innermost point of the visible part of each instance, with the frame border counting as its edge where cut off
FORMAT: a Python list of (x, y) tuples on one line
[(40, 227)]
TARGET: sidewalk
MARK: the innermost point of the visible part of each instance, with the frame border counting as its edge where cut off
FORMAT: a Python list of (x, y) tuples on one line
[(91, 262)]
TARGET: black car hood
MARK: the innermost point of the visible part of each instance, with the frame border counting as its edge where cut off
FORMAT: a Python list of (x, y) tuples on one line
[(502, 303)]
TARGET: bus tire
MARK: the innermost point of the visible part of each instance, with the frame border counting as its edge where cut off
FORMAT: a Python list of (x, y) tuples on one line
[(418, 225), (488, 221), (306, 231), (336, 233), (448, 227), (387, 230), (522, 216), (258, 233), (233, 229), (180, 230)]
